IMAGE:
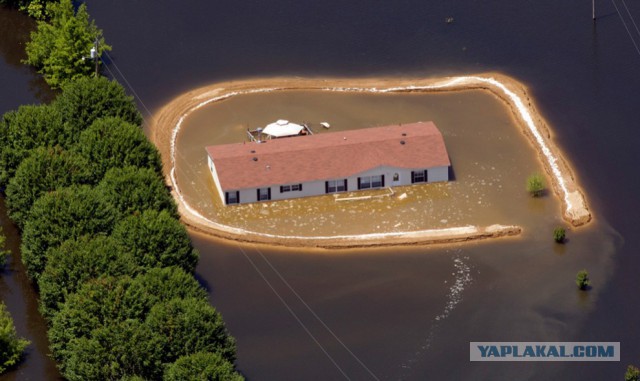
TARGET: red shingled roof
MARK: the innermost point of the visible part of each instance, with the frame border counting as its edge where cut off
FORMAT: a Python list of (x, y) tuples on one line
[(331, 155)]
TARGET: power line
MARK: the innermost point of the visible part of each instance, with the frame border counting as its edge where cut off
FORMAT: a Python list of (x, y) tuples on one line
[(127, 82), (626, 27), (315, 315), (631, 17), (293, 313)]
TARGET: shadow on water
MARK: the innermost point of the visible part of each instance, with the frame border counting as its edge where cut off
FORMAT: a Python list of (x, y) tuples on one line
[(14, 31), (17, 292)]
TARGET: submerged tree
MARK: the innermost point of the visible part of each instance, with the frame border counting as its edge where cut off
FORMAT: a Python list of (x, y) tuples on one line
[(59, 47), (632, 374), (535, 185), (11, 346), (559, 234), (582, 279)]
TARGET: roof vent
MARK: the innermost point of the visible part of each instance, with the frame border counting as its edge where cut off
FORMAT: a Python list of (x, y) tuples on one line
[(253, 151), (402, 142), (404, 134), (255, 159)]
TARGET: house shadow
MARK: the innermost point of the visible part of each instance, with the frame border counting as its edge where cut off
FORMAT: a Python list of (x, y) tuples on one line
[(452, 172)]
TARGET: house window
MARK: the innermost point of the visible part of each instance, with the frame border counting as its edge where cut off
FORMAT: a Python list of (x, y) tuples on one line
[(396, 177), (419, 176), (264, 194), (366, 182), (333, 186), (232, 197), (290, 188)]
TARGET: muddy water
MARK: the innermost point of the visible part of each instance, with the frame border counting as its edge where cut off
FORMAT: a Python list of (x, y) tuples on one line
[(490, 156), (402, 313), (396, 313)]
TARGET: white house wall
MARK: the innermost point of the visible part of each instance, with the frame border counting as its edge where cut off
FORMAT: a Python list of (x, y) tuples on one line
[(214, 173), (317, 188)]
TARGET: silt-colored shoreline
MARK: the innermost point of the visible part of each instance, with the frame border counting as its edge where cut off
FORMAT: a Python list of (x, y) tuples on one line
[(166, 123)]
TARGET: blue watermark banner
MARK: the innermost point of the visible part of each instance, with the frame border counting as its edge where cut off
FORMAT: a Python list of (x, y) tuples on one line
[(544, 351)]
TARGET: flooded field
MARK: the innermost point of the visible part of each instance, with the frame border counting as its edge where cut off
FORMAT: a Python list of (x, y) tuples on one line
[(490, 157)]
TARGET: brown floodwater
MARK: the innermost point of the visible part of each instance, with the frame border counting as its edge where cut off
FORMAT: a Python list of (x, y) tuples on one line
[(490, 157), (393, 313)]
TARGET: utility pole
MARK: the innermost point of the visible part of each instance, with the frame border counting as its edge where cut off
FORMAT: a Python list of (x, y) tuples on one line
[(593, 9), (94, 54)]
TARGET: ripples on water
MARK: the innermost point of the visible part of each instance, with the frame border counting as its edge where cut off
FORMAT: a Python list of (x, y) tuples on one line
[(462, 278)]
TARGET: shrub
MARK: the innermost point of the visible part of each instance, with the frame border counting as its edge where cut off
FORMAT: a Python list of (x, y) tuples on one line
[(582, 279), (632, 374), (535, 185), (559, 234), (11, 346)]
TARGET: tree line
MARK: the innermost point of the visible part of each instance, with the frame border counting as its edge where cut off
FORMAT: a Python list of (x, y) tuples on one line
[(101, 239)]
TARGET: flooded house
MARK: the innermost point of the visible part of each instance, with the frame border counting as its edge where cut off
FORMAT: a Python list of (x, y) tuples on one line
[(332, 162)]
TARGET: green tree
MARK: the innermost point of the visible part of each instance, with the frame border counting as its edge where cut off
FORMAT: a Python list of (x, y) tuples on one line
[(132, 190), (157, 286), (45, 170), (23, 130), (633, 374), (11, 346), (559, 234), (156, 239), (202, 366), (111, 142), (34, 8), (76, 261), (188, 326), (95, 304), (105, 300), (58, 47), (535, 185), (86, 99), (114, 351), (61, 215), (582, 279)]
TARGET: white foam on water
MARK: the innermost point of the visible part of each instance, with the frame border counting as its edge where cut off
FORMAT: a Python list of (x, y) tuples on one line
[(462, 279)]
